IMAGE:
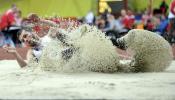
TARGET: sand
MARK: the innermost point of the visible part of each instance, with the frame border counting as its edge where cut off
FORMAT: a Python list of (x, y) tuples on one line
[(16, 83)]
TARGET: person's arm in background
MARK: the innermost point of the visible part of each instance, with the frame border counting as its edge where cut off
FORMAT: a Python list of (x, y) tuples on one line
[(172, 7)]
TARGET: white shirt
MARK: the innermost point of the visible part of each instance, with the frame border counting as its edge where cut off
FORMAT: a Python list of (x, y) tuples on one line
[(171, 15), (89, 18), (38, 50)]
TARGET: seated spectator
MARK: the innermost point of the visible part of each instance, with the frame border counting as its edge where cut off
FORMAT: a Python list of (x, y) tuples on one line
[(163, 7), (100, 23), (146, 16), (111, 21), (110, 30), (162, 26), (89, 18), (149, 25), (124, 22), (124, 18), (131, 18)]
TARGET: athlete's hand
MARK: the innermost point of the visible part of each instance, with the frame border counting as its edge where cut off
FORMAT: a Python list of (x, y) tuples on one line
[(8, 49)]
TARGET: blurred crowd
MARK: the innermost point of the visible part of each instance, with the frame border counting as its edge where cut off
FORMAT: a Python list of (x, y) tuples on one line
[(159, 20), (156, 20)]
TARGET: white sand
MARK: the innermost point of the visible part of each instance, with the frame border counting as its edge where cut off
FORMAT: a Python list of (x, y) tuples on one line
[(16, 83)]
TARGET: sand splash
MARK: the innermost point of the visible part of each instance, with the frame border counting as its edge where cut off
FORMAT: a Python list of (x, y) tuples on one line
[(85, 48), (92, 51)]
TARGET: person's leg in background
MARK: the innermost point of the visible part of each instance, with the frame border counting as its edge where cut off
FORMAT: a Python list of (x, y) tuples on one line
[(15, 39), (173, 48), (172, 35), (2, 39), (8, 39)]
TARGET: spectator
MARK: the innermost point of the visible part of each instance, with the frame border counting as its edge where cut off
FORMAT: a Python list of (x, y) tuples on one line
[(149, 25), (111, 21), (89, 18), (111, 28), (7, 20), (171, 17), (131, 18), (146, 17), (100, 23), (162, 26), (125, 19), (163, 7), (105, 16)]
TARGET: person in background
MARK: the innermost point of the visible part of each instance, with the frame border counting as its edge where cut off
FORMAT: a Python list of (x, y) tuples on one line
[(171, 18), (124, 18), (100, 22), (162, 25), (163, 7), (8, 20), (146, 17), (111, 21), (131, 18), (89, 18), (18, 18)]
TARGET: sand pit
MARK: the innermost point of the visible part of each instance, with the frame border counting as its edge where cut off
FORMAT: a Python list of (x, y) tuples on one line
[(19, 83)]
